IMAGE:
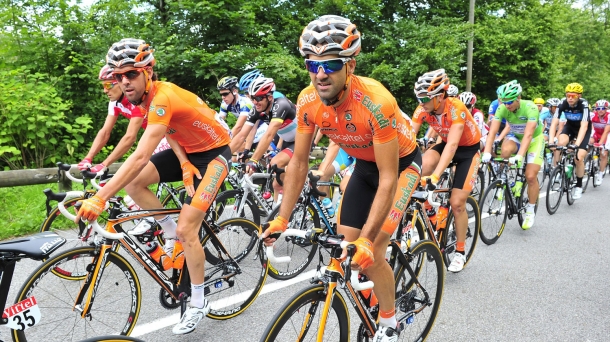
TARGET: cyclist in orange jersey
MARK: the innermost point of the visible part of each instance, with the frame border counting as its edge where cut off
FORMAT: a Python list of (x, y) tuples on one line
[(450, 118), (363, 118), (198, 156)]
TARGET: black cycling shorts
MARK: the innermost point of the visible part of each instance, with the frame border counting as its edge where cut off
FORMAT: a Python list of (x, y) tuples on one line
[(362, 187), (168, 166), (467, 160), (571, 130)]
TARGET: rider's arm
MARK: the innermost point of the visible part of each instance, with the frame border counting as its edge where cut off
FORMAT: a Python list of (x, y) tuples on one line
[(252, 136), (553, 130), (453, 139), (239, 124), (318, 137), (602, 140), (102, 136), (126, 142), (504, 132), (178, 150), (493, 129), (584, 125), (132, 167), (267, 138), (386, 156)]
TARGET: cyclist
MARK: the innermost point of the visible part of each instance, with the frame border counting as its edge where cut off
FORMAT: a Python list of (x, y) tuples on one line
[(247, 78), (198, 156), (118, 105), (469, 99), (453, 91), (279, 114), (601, 127), (545, 116), (577, 127), (461, 137), (504, 129), (232, 102), (552, 104), (525, 140), (363, 118)]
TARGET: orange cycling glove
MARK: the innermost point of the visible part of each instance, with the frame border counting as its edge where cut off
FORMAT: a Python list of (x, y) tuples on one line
[(188, 172), (277, 225), (91, 208), (364, 253), (433, 179)]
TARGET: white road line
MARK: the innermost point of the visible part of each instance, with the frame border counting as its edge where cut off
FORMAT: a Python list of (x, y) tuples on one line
[(161, 323)]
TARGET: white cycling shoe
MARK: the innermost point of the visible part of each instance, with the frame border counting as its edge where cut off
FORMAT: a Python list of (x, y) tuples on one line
[(385, 334), (191, 317)]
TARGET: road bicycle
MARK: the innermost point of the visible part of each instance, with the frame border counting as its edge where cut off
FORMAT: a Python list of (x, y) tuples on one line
[(563, 178), (504, 198), (445, 180), (25, 314), (98, 291), (592, 167), (547, 167), (320, 312), (417, 224)]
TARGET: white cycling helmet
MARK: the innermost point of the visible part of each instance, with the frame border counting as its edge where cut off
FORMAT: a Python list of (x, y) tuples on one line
[(261, 86), (431, 83), (468, 98), (452, 91)]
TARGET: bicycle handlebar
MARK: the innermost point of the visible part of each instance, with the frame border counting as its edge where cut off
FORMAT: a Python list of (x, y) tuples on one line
[(96, 226), (356, 284), (66, 168)]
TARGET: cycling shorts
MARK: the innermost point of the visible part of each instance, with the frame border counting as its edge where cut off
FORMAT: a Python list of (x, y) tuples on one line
[(288, 148), (467, 160), (535, 152), (342, 161), (571, 131), (212, 165), (362, 187)]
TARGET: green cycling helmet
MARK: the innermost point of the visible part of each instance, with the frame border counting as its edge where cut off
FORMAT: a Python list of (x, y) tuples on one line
[(509, 91)]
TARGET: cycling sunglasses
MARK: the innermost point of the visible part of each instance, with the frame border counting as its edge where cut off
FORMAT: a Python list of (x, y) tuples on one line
[(130, 75), (508, 103), (425, 99), (572, 95), (328, 65), (109, 85), (258, 98), (600, 108), (225, 94)]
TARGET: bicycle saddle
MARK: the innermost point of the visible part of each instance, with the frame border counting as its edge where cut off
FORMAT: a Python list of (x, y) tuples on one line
[(37, 247)]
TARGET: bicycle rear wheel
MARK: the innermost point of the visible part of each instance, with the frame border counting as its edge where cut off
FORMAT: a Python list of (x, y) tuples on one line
[(554, 190), (234, 279), (117, 301), (588, 172), (299, 318), (494, 211), (228, 202), (472, 233), (416, 313), (300, 251)]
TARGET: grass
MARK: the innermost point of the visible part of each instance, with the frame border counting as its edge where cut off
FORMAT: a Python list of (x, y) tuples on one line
[(23, 209)]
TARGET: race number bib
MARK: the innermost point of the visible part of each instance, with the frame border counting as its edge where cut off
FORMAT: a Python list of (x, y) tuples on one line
[(22, 315)]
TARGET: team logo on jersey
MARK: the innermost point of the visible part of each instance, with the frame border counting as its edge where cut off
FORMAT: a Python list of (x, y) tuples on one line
[(351, 127), (325, 115), (305, 121), (463, 115), (522, 118), (348, 116), (160, 111), (325, 124), (394, 123), (200, 101), (357, 95), (151, 108)]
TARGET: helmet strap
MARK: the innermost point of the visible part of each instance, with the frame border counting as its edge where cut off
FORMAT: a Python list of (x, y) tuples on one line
[(336, 99), (146, 90)]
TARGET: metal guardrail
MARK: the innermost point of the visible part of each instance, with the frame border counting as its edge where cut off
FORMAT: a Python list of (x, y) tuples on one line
[(41, 176)]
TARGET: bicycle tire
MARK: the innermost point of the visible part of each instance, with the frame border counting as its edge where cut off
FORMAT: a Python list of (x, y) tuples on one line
[(479, 186), (570, 184), (169, 202), (309, 303), (306, 251), (588, 172), (472, 234), (522, 201), (543, 173), (493, 207), (595, 171), (55, 298), (112, 338), (246, 259), (403, 227), (226, 202), (408, 295), (554, 190)]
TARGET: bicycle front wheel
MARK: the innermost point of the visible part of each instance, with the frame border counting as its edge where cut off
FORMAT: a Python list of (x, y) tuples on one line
[(299, 318), (117, 300), (472, 233), (234, 279), (554, 190), (588, 172), (300, 251), (522, 202), (494, 211), (418, 300)]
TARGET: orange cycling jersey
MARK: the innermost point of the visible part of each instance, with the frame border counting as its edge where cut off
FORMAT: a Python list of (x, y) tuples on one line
[(369, 115), (188, 119), (455, 112)]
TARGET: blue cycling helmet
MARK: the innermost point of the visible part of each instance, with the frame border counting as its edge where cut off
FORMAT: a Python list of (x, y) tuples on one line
[(247, 78)]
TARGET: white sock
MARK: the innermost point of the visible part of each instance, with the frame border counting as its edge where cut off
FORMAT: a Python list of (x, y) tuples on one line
[(197, 295), (530, 208), (388, 322), (169, 227)]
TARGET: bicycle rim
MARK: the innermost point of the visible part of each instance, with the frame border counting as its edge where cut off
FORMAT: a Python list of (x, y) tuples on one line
[(116, 307), (299, 318), (494, 212), (554, 190), (416, 315), (472, 233), (233, 281)]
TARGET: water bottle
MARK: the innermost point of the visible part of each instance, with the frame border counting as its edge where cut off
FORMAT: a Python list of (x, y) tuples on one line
[(549, 158), (569, 169), (441, 217), (158, 255), (131, 204), (368, 295), (178, 256), (328, 204), (517, 188)]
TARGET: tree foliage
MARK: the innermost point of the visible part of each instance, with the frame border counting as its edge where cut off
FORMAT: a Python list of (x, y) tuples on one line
[(58, 46)]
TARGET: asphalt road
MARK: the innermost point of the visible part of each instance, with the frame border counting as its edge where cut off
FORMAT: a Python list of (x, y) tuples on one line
[(546, 284)]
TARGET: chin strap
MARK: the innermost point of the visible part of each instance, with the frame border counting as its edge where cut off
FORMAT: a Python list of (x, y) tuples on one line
[(338, 97)]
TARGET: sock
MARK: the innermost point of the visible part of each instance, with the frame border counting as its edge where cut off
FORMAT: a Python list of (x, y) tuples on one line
[(169, 227), (579, 182), (388, 318), (530, 208), (197, 297), (460, 247)]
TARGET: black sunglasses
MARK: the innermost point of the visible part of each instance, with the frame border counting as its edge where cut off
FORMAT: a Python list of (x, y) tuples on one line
[(131, 75)]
